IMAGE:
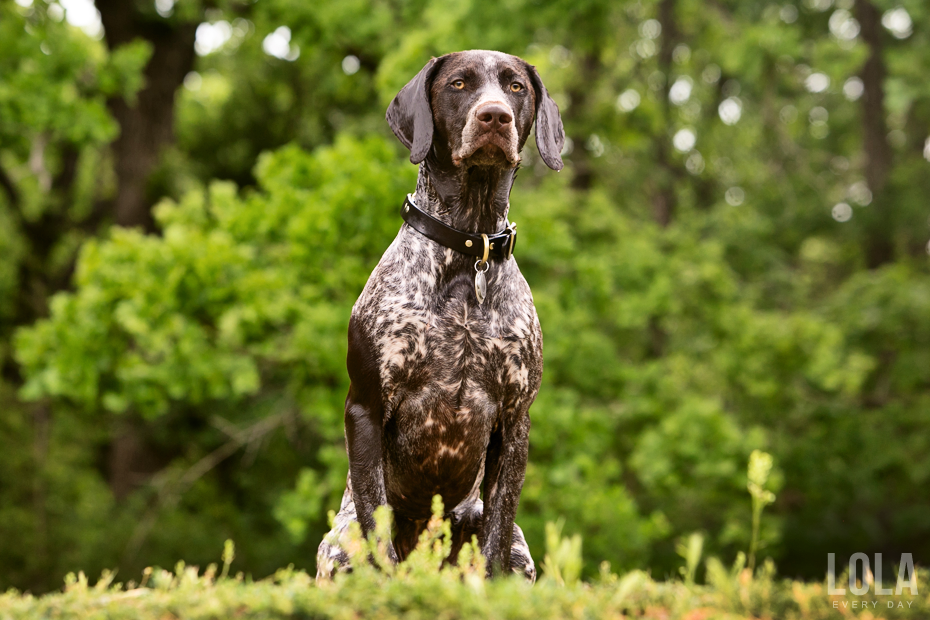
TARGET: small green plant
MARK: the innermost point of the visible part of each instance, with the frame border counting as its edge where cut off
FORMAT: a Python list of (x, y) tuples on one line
[(690, 550), (430, 556), (563, 555), (229, 554), (760, 466)]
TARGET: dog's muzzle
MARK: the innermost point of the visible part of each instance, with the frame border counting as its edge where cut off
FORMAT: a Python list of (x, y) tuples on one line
[(490, 128)]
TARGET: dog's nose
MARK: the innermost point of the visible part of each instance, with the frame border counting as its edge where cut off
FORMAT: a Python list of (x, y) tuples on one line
[(493, 115)]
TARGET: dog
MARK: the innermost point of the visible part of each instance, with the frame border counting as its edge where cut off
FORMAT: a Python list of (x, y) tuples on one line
[(445, 347)]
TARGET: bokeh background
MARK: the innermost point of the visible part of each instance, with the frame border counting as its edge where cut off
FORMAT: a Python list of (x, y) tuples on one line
[(735, 257)]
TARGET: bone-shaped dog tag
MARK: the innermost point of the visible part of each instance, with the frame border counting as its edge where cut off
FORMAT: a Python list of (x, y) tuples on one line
[(481, 282)]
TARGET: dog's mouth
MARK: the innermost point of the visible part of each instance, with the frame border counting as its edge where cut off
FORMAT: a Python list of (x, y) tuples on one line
[(488, 149)]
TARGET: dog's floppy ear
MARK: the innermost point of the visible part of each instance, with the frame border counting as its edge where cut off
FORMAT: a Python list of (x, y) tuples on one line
[(550, 135), (410, 116)]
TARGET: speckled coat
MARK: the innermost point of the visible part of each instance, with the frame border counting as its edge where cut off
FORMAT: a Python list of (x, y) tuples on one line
[(442, 385)]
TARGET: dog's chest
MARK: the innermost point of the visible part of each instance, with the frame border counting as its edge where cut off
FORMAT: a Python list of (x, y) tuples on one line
[(450, 368), (423, 318)]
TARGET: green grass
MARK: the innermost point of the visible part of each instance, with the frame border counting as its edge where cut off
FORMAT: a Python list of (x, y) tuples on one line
[(369, 594)]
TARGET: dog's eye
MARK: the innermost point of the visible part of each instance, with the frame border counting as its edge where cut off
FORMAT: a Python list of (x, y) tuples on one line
[(458, 84), (516, 87)]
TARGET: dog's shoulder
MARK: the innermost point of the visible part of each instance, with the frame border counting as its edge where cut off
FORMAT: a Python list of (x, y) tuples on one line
[(406, 272)]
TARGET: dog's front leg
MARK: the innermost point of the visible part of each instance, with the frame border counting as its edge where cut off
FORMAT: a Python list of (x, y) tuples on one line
[(505, 468), (364, 415), (363, 440)]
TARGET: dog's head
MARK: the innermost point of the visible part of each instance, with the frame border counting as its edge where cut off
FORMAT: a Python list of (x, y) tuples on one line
[(478, 106)]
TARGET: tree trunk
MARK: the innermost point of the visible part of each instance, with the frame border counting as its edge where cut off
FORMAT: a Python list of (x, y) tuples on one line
[(41, 421), (879, 246), (146, 128), (146, 124), (583, 172), (664, 200)]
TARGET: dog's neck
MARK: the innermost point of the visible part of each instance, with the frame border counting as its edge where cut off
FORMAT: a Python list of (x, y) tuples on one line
[(472, 199)]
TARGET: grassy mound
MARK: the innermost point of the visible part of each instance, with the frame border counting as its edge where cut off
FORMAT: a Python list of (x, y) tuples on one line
[(368, 594)]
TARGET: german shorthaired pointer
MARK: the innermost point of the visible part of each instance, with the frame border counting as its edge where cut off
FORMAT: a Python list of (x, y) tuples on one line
[(444, 361)]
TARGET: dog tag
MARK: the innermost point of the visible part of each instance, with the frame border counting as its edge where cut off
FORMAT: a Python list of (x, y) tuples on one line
[(481, 282), (481, 287)]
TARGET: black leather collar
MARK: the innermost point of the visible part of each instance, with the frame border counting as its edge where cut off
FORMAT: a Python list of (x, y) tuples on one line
[(500, 245)]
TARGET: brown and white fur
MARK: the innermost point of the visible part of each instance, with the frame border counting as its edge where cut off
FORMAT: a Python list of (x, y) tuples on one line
[(441, 385)]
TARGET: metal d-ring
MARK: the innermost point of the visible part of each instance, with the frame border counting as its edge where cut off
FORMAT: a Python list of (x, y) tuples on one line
[(512, 226), (487, 248)]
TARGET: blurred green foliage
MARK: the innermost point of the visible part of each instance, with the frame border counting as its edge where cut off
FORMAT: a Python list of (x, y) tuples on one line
[(698, 298)]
